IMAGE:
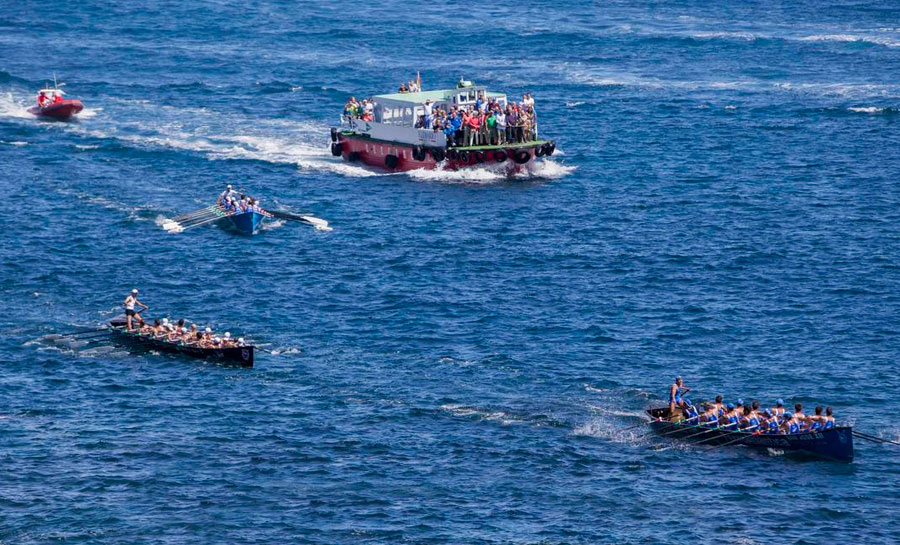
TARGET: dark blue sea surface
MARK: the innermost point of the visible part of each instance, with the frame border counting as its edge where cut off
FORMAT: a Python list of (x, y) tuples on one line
[(456, 361)]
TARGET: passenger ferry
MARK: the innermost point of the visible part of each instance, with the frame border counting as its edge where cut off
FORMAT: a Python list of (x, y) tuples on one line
[(398, 132)]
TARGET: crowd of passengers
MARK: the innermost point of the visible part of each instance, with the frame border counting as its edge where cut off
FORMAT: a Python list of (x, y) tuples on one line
[(180, 333), (486, 123)]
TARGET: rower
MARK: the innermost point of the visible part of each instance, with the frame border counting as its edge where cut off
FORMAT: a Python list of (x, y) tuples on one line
[(815, 422), (730, 418), (240, 342), (791, 423), (748, 421), (719, 406), (690, 412), (676, 392), (778, 410), (784, 427), (770, 424), (226, 341), (130, 314), (829, 419), (163, 329), (711, 415), (225, 195), (798, 413)]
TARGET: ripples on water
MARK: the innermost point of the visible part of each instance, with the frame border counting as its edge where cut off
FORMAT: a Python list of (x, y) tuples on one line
[(460, 359)]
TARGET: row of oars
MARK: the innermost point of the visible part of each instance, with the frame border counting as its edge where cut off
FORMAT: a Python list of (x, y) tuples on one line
[(874, 438), (194, 219), (706, 429)]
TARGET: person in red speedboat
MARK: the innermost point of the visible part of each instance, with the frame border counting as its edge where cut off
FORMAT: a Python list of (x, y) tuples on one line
[(51, 103)]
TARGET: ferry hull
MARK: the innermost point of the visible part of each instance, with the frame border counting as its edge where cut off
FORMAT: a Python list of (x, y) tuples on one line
[(401, 157)]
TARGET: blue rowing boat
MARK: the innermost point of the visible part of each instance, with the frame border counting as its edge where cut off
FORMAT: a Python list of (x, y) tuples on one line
[(246, 223), (834, 444)]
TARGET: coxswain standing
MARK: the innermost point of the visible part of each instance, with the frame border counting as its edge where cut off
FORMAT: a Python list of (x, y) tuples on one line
[(676, 395), (130, 314)]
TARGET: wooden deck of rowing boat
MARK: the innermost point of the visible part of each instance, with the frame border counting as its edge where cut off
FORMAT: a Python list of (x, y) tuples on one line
[(242, 355), (835, 443)]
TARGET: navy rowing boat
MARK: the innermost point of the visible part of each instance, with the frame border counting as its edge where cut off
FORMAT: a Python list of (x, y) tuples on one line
[(240, 355), (246, 223), (835, 443)]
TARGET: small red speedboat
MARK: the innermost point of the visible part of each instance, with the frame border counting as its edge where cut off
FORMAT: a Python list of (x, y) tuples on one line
[(52, 104)]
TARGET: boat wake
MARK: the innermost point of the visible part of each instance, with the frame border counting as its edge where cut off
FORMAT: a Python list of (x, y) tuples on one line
[(503, 417), (11, 107), (92, 345), (132, 213), (544, 169)]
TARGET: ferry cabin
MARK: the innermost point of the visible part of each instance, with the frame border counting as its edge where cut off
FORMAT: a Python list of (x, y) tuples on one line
[(396, 114)]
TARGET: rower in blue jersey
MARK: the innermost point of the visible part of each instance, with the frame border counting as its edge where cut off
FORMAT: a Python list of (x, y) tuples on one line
[(771, 422), (816, 422), (676, 394), (791, 423), (829, 419), (752, 418), (690, 413), (710, 416), (730, 419), (778, 409), (719, 406)]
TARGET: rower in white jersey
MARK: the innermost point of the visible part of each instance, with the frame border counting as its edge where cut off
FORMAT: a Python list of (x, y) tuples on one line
[(229, 192), (130, 314)]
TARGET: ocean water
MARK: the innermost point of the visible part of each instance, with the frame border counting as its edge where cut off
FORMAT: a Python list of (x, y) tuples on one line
[(457, 361)]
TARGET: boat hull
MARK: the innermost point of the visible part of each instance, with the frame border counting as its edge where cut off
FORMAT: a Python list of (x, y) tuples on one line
[(835, 443), (246, 223), (242, 356), (401, 157), (59, 110)]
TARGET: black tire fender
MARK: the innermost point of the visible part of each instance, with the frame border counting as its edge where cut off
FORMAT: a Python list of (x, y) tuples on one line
[(438, 154), (336, 148), (522, 157), (500, 156)]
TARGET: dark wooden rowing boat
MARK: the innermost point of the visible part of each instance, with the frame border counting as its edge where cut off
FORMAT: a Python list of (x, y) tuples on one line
[(240, 355), (835, 443)]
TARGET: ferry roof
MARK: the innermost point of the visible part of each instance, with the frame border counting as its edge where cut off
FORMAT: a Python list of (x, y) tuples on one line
[(439, 95)]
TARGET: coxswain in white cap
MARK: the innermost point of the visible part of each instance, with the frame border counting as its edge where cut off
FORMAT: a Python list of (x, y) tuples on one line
[(130, 314)]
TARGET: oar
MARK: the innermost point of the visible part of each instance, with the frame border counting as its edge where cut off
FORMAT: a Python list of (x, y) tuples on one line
[(318, 223), (873, 438), (677, 428), (741, 438)]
